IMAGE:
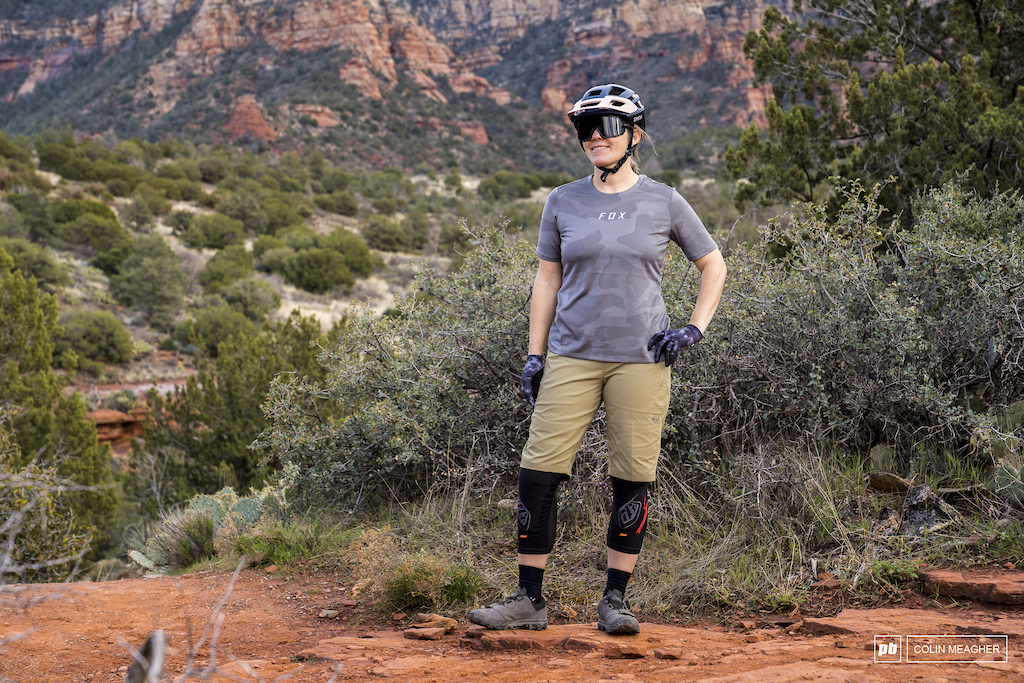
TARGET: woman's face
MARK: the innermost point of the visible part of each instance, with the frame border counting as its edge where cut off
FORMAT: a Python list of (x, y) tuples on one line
[(607, 151)]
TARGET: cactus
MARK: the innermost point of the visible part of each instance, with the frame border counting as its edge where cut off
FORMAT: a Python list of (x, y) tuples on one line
[(208, 505), (249, 509)]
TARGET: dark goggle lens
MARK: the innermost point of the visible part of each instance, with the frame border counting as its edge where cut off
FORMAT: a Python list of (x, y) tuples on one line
[(608, 126)]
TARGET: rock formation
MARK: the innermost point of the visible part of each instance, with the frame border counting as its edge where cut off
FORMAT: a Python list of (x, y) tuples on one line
[(456, 40)]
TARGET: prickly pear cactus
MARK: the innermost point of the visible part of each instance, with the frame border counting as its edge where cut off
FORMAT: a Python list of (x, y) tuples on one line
[(208, 505), (249, 509)]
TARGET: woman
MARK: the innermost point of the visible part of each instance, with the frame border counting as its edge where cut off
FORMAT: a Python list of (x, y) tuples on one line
[(597, 307)]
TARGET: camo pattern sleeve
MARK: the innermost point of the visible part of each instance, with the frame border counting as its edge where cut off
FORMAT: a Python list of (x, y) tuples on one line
[(612, 248)]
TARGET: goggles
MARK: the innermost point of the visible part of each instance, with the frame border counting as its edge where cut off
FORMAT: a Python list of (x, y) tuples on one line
[(608, 126)]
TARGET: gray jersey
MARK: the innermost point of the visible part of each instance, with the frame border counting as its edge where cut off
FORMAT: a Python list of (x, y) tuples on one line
[(612, 248)]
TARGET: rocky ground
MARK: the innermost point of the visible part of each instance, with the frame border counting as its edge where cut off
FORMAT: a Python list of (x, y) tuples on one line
[(270, 626)]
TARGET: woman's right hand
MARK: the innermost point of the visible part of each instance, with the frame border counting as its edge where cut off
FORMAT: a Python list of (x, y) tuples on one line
[(530, 381)]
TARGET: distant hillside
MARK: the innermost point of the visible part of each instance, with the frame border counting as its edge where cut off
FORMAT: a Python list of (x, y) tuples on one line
[(425, 85)]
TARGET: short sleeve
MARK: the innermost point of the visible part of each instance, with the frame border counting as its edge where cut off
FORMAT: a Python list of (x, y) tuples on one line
[(549, 242), (688, 230)]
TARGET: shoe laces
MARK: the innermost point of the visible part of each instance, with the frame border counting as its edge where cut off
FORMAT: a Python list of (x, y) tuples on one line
[(619, 604)]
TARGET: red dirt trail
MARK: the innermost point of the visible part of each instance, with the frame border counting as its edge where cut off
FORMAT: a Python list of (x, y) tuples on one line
[(271, 631)]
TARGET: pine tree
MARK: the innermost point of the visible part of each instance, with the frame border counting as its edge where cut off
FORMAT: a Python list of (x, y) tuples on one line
[(868, 89), (49, 427)]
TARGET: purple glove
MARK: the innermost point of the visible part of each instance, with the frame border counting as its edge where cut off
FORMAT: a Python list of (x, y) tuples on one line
[(530, 381), (670, 341)]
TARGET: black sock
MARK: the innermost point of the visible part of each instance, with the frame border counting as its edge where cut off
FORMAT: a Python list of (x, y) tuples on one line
[(532, 579), (617, 579)]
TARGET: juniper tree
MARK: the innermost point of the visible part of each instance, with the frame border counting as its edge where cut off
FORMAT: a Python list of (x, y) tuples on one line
[(48, 426), (867, 89)]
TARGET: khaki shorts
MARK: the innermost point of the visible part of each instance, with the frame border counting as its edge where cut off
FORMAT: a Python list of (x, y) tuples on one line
[(636, 397)]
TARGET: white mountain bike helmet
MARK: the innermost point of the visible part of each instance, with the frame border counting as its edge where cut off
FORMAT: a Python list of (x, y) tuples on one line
[(612, 110)]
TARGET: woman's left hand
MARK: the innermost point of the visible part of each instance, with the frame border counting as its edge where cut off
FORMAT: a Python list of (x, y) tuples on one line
[(669, 342)]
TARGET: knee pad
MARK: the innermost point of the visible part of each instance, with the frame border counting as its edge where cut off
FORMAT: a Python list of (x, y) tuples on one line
[(537, 511), (628, 523)]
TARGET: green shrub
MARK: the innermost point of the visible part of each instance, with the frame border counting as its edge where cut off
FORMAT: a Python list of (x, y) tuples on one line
[(505, 185), (184, 539), (53, 156), (272, 260), (36, 261), (192, 191), (99, 234), (386, 206), (345, 203), (137, 216), (859, 334), (358, 257), (427, 581), (213, 169), (462, 338), (265, 243), (71, 210), (280, 214), (253, 297), (167, 188), (337, 180), (226, 266), (151, 281), (299, 237), (110, 261), (246, 208), (155, 197), (388, 234), (19, 150), (211, 327), (316, 270), (337, 202), (213, 231), (179, 221), (96, 335)]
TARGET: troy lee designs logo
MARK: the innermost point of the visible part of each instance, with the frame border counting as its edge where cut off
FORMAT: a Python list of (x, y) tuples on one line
[(613, 216)]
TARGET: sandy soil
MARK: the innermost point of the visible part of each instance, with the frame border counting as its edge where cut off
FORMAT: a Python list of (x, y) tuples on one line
[(271, 629)]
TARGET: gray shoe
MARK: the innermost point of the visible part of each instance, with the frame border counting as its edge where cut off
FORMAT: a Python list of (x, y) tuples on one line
[(515, 611), (613, 615)]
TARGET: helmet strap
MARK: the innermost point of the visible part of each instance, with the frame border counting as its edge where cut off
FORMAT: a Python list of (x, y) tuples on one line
[(625, 157)]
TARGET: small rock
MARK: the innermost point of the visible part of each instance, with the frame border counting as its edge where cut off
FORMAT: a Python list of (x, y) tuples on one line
[(793, 628), (271, 569), (581, 643), (748, 624), (423, 633), (624, 651), (435, 621), (398, 616), (668, 653), (512, 640), (329, 614), (1010, 565), (349, 603), (476, 631), (753, 638)]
